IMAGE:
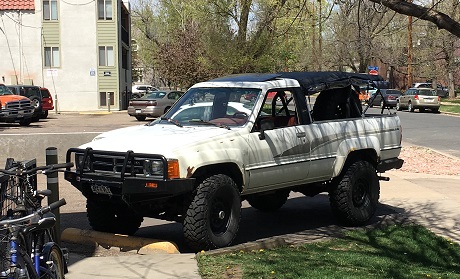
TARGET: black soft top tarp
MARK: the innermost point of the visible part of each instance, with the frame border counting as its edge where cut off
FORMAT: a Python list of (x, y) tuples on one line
[(311, 82), (318, 81)]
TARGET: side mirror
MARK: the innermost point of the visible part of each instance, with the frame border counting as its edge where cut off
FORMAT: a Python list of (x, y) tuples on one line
[(266, 124)]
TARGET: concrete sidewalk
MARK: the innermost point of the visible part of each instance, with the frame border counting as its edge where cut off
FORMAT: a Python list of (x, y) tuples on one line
[(430, 200)]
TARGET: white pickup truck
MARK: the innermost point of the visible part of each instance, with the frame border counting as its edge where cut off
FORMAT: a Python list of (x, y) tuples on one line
[(253, 136)]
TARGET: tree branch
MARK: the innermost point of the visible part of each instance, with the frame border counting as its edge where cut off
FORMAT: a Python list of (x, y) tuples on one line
[(441, 20)]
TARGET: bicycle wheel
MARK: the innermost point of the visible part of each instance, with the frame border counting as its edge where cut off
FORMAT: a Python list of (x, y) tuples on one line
[(52, 264)]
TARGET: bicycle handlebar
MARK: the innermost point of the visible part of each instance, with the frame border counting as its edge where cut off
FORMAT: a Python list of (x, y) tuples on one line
[(39, 212), (44, 169)]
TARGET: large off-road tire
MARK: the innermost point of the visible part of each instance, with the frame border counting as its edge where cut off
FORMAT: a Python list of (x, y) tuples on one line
[(269, 202), (213, 217), (113, 218), (355, 196)]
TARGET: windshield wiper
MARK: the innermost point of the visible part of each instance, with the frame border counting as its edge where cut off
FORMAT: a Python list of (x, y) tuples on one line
[(175, 122), (201, 121)]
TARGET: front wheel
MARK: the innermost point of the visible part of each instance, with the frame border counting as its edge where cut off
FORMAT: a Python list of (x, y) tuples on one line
[(52, 265), (25, 121), (213, 217), (354, 197), (112, 218)]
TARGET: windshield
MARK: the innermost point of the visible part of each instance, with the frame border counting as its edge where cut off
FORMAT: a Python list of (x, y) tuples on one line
[(5, 90), (215, 106), (154, 95)]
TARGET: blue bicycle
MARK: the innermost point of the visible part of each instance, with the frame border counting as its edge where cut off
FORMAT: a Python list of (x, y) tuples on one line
[(22, 258)]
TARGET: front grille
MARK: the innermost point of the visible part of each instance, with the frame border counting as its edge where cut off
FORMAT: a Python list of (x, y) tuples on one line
[(22, 104), (119, 164), (114, 164)]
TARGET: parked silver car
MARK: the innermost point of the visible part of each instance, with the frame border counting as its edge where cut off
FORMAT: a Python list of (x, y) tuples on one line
[(390, 97), (419, 98), (153, 104)]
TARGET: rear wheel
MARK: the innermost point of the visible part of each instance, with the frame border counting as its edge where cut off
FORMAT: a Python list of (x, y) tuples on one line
[(108, 217), (44, 114), (398, 106), (354, 197), (435, 110), (140, 118), (213, 217)]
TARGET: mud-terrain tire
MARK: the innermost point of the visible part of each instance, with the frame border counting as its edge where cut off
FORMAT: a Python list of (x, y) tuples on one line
[(213, 217), (269, 202), (355, 196), (108, 217)]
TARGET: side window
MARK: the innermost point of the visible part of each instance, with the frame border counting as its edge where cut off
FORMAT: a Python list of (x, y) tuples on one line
[(50, 10), (106, 57), (52, 57), (106, 98), (104, 9), (278, 111)]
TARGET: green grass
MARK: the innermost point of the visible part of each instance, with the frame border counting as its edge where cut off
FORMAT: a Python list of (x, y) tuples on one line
[(447, 108), (391, 252)]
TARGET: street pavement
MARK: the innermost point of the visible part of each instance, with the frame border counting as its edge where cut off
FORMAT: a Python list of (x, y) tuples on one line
[(429, 200)]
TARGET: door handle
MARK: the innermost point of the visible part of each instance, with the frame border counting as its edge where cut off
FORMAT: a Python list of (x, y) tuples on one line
[(301, 135)]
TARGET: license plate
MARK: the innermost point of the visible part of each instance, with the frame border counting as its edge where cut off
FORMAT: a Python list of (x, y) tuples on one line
[(138, 111), (101, 189), (429, 100)]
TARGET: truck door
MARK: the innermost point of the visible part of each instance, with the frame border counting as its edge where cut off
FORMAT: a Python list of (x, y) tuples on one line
[(278, 147)]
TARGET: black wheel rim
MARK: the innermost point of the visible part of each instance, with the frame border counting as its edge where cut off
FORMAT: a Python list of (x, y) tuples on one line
[(360, 191), (220, 214)]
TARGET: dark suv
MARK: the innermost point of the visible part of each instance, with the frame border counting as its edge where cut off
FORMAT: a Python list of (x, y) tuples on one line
[(34, 94)]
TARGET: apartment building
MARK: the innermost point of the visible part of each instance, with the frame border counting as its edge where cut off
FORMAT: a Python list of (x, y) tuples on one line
[(78, 49)]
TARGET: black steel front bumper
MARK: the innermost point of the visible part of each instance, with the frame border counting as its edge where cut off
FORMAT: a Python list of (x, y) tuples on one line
[(126, 182), (393, 163)]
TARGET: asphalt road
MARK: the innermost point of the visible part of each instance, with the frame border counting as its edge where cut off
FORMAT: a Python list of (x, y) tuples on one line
[(433, 130), (299, 214)]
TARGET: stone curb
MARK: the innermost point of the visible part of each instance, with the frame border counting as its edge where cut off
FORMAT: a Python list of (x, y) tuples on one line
[(141, 245)]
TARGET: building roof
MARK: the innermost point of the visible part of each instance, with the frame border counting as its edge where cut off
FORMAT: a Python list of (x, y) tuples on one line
[(17, 5)]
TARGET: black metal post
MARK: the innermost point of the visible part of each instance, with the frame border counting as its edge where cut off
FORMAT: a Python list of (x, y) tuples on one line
[(52, 181)]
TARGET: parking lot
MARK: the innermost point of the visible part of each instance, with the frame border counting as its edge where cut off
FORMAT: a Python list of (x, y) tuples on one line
[(63, 130)]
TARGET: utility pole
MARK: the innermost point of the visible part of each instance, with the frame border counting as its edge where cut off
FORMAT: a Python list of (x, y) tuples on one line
[(409, 52)]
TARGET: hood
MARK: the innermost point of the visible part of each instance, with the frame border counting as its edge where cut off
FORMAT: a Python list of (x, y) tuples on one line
[(10, 98), (157, 139)]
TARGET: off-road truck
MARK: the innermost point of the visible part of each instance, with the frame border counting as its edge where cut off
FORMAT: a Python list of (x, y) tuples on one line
[(303, 131)]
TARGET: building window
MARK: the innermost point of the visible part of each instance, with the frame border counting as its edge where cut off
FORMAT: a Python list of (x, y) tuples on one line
[(50, 10), (106, 98), (104, 9), (52, 57), (106, 56)]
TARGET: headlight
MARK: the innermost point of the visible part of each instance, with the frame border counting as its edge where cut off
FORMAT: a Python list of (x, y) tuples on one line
[(153, 167), (156, 168), (79, 164)]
